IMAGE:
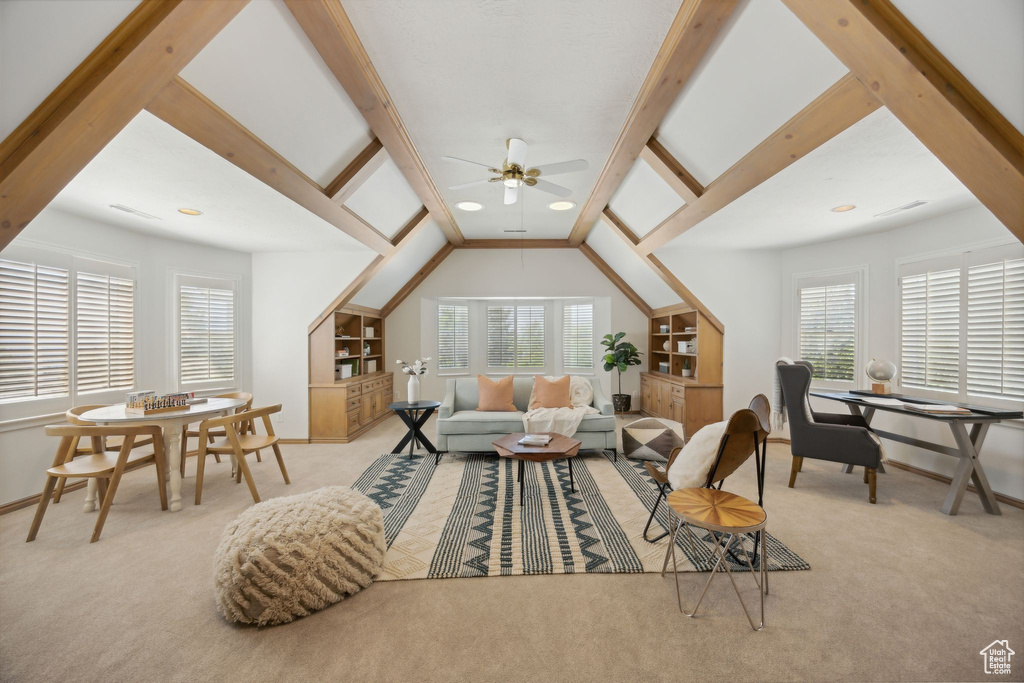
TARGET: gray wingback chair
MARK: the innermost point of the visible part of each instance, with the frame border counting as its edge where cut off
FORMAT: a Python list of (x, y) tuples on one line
[(825, 436)]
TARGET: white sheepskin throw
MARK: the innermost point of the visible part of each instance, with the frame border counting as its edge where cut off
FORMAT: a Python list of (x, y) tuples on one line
[(289, 557), (692, 465)]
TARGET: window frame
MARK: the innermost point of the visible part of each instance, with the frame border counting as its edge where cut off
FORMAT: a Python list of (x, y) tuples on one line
[(209, 281), (858, 275)]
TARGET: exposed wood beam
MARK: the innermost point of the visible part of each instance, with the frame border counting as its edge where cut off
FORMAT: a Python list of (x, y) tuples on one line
[(333, 36), (610, 273), (668, 310), (832, 112), (692, 31), (660, 269), (671, 171), (416, 223), (929, 95), (98, 99), (188, 110), (513, 243), (416, 279), (356, 173)]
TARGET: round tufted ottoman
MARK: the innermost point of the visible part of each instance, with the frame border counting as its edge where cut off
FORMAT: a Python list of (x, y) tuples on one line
[(288, 557)]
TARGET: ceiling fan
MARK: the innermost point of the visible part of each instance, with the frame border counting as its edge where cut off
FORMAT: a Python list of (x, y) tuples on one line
[(513, 172)]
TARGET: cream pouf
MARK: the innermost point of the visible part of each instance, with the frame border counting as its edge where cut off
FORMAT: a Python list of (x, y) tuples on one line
[(288, 557)]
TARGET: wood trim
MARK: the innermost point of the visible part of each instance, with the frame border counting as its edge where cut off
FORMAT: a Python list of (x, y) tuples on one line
[(513, 243), (415, 223), (832, 112), (360, 310), (332, 34), (671, 171), (610, 273), (29, 501), (98, 99), (293, 441), (416, 279), (928, 95), (192, 113), (357, 172), (692, 31), (669, 310)]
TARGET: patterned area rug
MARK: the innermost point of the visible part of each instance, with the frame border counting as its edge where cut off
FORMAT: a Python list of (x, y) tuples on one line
[(463, 518)]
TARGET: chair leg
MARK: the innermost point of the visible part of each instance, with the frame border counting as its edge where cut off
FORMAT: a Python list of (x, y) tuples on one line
[(60, 490), (200, 469), (44, 500), (184, 448), (865, 475), (161, 486), (108, 499), (280, 462), (871, 484), (798, 463), (661, 494), (243, 469), (101, 485)]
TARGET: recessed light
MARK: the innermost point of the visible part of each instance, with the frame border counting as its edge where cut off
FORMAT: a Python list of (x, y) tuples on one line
[(191, 212), (564, 205), (469, 206), (844, 208)]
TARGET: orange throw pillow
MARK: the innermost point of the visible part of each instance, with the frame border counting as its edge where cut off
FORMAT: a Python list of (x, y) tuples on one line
[(548, 394), (495, 396)]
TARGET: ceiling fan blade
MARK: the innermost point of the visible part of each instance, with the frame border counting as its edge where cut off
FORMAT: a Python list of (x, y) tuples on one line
[(511, 195), (517, 152), (551, 188), (463, 186), (562, 167), (466, 161)]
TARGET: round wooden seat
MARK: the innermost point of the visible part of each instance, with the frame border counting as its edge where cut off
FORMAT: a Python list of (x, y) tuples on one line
[(717, 510)]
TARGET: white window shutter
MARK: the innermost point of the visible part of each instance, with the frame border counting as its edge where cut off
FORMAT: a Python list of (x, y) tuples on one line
[(501, 336), (104, 332), (930, 330), (452, 336), (828, 330), (530, 336), (995, 329), (578, 336), (206, 341)]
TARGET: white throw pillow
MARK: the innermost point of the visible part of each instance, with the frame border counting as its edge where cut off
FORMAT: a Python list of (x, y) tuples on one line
[(692, 465)]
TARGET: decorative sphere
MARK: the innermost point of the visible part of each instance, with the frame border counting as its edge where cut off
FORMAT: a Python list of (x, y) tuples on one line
[(666, 346), (880, 370)]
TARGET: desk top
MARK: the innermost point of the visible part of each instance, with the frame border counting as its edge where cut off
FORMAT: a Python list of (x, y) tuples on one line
[(977, 414)]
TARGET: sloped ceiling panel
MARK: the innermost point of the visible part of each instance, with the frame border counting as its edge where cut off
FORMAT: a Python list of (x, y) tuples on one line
[(631, 268), (402, 267), (263, 71), (41, 43), (385, 200), (644, 200), (765, 68)]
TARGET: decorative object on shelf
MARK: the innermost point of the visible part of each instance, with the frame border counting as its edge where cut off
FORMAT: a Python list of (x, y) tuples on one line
[(689, 330), (371, 367), (664, 329), (619, 357), (345, 371), (681, 346), (687, 369), (663, 367), (667, 345), (368, 332), (366, 349), (343, 353), (418, 367), (880, 372)]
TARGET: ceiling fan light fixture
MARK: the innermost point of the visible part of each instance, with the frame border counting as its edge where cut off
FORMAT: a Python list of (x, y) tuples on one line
[(563, 205), (469, 206), (843, 208), (512, 182)]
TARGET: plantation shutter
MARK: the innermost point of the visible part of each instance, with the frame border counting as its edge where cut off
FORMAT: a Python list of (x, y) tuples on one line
[(34, 331), (828, 326), (104, 332), (501, 336), (206, 333), (995, 325), (930, 326), (530, 336), (452, 336), (578, 336)]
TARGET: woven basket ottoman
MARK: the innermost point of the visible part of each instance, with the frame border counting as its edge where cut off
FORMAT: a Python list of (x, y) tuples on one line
[(289, 557)]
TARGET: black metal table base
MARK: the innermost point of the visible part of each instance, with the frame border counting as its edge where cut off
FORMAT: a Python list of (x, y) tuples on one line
[(414, 419)]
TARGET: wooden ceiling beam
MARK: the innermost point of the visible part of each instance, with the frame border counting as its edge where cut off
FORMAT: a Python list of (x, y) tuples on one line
[(192, 113), (416, 279), (832, 112), (671, 171), (692, 31), (928, 95), (415, 224), (98, 99), (334, 38), (357, 172), (610, 273), (513, 243)]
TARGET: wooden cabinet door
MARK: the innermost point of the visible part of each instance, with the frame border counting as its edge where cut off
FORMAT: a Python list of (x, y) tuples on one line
[(645, 396), (366, 408), (380, 402), (665, 400), (678, 410)]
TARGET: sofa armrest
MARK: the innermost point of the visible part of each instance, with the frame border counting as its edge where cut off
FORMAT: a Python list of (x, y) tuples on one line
[(447, 408), (602, 403)]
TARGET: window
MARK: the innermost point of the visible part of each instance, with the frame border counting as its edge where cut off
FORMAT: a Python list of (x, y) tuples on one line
[(206, 330), (34, 337), (962, 324), (104, 332), (578, 336), (827, 328), (452, 336), (515, 336)]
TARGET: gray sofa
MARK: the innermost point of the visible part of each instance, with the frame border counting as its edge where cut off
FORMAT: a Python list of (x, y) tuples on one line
[(461, 428)]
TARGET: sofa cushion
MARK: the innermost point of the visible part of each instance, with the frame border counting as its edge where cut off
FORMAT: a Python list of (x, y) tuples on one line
[(479, 422), (494, 396), (549, 393), (597, 423)]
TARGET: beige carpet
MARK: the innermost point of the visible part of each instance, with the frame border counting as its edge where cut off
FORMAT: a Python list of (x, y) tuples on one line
[(898, 591)]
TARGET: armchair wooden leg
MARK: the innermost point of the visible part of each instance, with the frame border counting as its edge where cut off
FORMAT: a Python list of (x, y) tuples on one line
[(798, 462), (871, 472), (865, 475), (280, 462), (44, 500), (243, 469)]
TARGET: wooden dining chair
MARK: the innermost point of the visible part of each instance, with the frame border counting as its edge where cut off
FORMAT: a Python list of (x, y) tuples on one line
[(96, 444), (105, 466), (186, 433), (239, 445)]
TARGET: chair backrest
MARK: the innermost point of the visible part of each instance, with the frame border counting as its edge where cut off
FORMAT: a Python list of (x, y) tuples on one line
[(737, 444), (243, 417), (760, 406), (73, 414), (244, 395), (796, 383)]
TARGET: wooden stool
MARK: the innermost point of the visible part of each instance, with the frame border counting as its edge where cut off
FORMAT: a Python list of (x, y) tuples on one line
[(729, 515)]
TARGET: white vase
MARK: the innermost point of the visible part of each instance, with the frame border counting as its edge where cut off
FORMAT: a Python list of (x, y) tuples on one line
[(414, 389)]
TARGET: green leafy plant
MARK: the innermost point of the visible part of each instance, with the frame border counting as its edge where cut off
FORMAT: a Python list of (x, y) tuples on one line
[(620, 354)]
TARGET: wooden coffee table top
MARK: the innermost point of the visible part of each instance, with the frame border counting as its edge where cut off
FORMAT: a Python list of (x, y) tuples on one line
[(560, 446), (717, 510)]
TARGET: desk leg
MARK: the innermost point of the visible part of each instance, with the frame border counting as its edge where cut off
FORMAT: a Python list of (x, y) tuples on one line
[(172, 451), (969, 469)]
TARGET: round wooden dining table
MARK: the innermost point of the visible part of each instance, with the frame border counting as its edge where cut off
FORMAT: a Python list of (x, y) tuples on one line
[(171, 423)]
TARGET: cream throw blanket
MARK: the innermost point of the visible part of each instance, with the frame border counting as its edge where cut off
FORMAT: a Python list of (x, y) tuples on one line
[(564, 421)]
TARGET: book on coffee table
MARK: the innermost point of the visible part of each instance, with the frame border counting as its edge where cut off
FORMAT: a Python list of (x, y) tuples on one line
[(535, 440)]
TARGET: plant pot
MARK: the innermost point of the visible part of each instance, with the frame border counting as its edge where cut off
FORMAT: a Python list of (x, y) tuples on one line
[(622, 402), (687, 372)]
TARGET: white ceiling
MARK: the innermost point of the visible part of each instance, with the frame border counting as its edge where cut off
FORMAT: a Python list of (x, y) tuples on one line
[(630, 267), (764, 68), (466, 75), (876, 164), (399, 270), (644, 200), (385, 200), (152, 167)]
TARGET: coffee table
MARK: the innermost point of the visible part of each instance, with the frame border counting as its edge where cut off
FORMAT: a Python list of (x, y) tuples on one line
[(559, 447)]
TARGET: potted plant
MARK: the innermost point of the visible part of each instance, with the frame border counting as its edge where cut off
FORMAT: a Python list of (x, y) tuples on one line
[(620, 356), (687, 372), (414, 370)]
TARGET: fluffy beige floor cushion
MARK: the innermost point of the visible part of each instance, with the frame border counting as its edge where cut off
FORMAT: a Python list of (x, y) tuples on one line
[(288, 557)]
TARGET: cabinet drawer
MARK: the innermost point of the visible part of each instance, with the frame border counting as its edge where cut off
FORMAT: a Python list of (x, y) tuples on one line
[(353, 404), (353, 419), (678, 391), (353, 390)]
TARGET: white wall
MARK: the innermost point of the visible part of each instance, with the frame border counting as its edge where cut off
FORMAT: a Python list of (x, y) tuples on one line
[(289, 291), (1003, 452), (25, 452), (510, 273)]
